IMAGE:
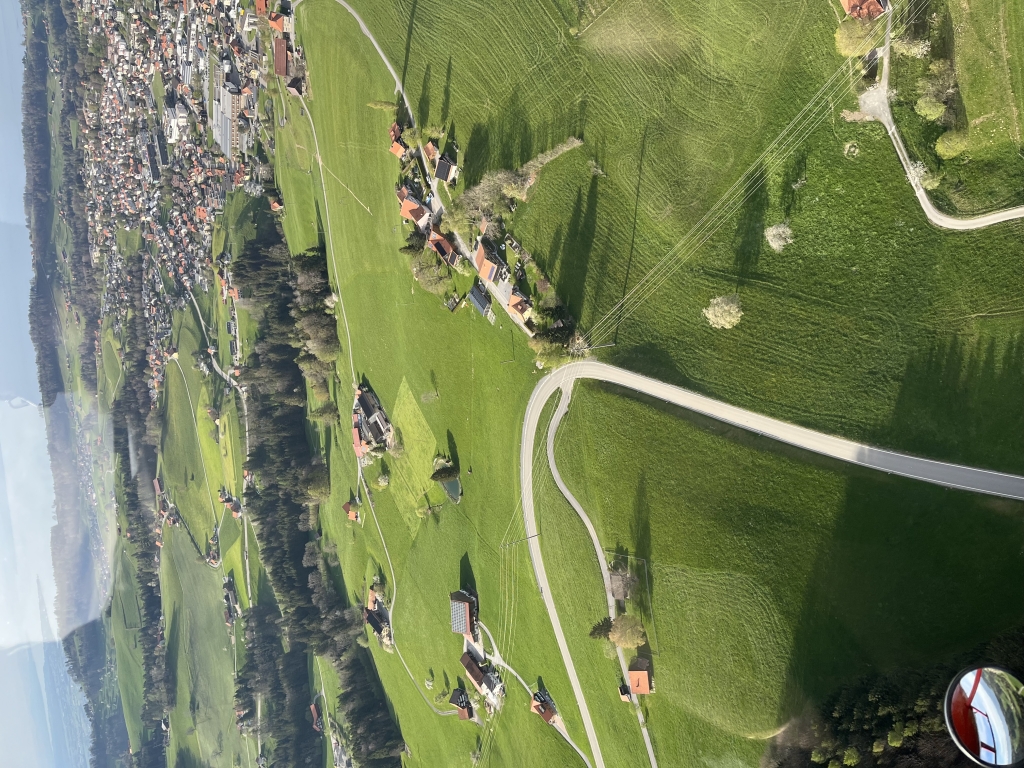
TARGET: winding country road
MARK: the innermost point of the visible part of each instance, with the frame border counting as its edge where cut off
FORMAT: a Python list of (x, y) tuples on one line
[(875, 102), (926, 470)]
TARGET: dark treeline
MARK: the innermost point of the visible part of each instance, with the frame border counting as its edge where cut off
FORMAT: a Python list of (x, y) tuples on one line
[(141, 518), (35, 133), (292, 295), (893, 719), (89, 660)]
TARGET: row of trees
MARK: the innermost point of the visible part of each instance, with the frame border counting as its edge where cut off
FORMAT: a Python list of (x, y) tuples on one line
[(891, 718), (139, 511), (298, 339), (35, 132)]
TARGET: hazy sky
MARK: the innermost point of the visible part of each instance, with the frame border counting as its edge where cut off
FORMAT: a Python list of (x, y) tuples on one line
[(41, 715)]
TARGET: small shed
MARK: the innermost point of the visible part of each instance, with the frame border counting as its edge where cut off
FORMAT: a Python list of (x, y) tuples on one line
[(350, 511), (480, 300), (640, 677)]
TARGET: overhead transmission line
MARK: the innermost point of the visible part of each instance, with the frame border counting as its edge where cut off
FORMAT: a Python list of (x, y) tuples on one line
[(773, 156)]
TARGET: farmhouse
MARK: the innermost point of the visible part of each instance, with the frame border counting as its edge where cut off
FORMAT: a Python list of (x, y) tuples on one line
[(640, 676), (463, 613), (371, 428), (439, 243), (460, 700), (378, 624), (446, 170), (542, 705), (519, 307), (487, 683), (412, 209), (280, 57), (489, 265), (865, 9), (351, 512), (476, 674)]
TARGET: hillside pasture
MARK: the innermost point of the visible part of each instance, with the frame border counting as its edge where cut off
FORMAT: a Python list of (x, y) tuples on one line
[(837, 324), (201, 660), (777, 576), (441, 376)]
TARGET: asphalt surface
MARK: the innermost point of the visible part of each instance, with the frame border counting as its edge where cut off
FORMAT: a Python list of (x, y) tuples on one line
[(926, 470), (560, 411)]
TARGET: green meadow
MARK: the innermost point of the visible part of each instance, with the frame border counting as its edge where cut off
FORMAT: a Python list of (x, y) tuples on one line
[(870, 324), (870, 309), (975, 49), (454, 384), (774, 576)]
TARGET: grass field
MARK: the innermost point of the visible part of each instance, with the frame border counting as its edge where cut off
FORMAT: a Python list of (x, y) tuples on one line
[(838, 329), (200, 660), (126, 621), (981, 44), (197, 457), (989, 44), (775, 575), (870, 324), (442, 379)]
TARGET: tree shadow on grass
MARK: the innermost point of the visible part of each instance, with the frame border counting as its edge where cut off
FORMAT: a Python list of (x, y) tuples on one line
[(640, 564), (749, 237), (408, 40), (423, 107), (794, 178), (446, 99), (915, 580), (568, 259), (963, 401), (509, 138), (184, 758), (171, 663), (467, 579)]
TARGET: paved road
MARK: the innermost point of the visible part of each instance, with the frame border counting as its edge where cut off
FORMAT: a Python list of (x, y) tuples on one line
[(497, 660), (936, 472), (533, 409), (927, 470), (875, 102), (560, 411)]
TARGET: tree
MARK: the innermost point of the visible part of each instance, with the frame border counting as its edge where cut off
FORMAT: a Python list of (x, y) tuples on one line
[(951, 144), (855, 38), (724, 311), (930, 108), (445, 473), (601, 629), (627, 631)]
